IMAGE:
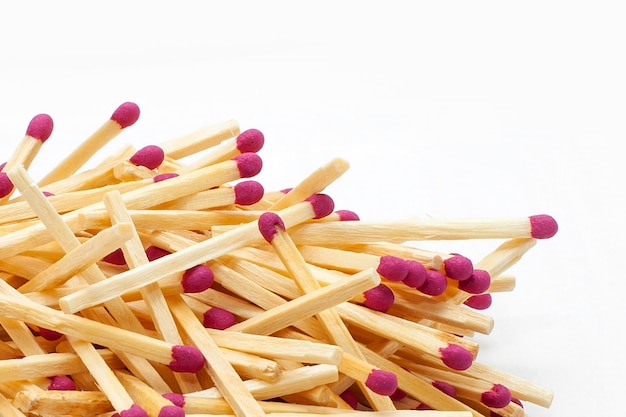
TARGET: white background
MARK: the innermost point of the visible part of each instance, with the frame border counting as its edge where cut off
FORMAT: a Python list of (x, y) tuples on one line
[(443, 109)]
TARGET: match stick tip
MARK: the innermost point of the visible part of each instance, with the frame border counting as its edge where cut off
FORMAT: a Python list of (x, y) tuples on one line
[(251, 140), (61, 383), (176, 398), (416, 275), (382, 382), (379, 298), (48, 334), (347, 215), (445, 387), (392, 268), (477, 283), (479, 301), (155, 252), (499, 396), (248, 192), (164, 176), (133, 411), (186, 359), (218, 318), (6, 185), (350, 398), (249, 164), (171, 411), (150, 156), (40, 127), (456, 357), (543, 226), (126, 114), (268, 223), (197, 279), (435, 284), (322, 204), (458, 267), (115, 258)]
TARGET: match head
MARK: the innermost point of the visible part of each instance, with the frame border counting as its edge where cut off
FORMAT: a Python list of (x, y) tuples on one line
[(268, 223), (197, 279), (445, 387), (40, 127), (61, 383), (186, 359), (435, 284), (350, 398), (499, 396), (133, 411), (249, 164), (126, 114), (164, 176), (382, 382), (218, 318), (347, 215), (177, 399), (322, 205), (248, 192), (171, 411), (116, 257), (392, 268), (150, 156), (416, 275), (154, 252), (379, 298), (48, 334), (456, 357), (251, 140), (458, 267), (479, 301), (543, 226), (6, 185), (478, 283)]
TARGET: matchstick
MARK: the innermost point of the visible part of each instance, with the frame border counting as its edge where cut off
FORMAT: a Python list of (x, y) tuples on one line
[(124, 116), (153, 402), (243, 193), (58, 403), (199, 140)]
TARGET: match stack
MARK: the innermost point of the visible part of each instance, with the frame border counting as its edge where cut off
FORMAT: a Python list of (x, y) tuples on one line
[(167, 282)]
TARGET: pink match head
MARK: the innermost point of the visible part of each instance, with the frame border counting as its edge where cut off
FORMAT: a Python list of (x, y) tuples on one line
[(251, 140), (379, 298), (382, 382), (478, 283), (499, 396), (267, 223), (186, 359), (154, 252), (116, 257), (350, 398), (458, 267), (347, 215), (322, 205), (416, 274), (150, 156), (218, 318), (398, 395), (126, 114), (40, 127), (49, 334), (61, 383), (6, 185), (249, 164), (171, 411), (445, 388), (248, 192), (164, 176), (456, 357), (543, 226), (392, 268), (435, 284), (197, 279), (133, 411), (479, 301), (177, 399)]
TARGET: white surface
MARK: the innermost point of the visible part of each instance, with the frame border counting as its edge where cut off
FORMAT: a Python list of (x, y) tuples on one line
[(453, 109)]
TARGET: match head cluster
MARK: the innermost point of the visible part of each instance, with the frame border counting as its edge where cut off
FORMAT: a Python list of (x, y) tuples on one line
[(202, 265)]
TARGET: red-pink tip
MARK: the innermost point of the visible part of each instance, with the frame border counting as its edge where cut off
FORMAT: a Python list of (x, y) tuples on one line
[(61, 383), (177, 399), (40, 127), (164, 176), (458, 267), (543, 226), (479, 302), (322, 205), (392, 268), (382, 382), (478, 283), (249, 164), (445, 387), (49, 334), (248, 192), (186, 359), (435, 284), (6, 185), (416, 275), (197, 279), (350, 398), (347, 215), (379, 298), (150, 156), (267, 224), (154, 252), (133, 411), (499, 396), (398, 395), (456, 357), (250, 140), (116, 257), (218, 318), (171, 411), (126, 114)]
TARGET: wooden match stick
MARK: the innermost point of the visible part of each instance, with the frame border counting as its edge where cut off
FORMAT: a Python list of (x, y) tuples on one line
[(243, 193), (58, 403), (124, 116), (199, 140)]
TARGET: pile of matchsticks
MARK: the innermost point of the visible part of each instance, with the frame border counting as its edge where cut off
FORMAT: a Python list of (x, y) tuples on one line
[(143, 285)]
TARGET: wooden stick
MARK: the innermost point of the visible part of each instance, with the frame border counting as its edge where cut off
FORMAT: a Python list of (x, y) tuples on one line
[(58, 403), (242, 193), (8, 408), (201, 139), (151, 401)]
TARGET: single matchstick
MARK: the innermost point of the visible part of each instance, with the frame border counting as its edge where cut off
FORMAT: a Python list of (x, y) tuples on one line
[(243, 193), (59, 403), (124, 116), (199, 140)]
